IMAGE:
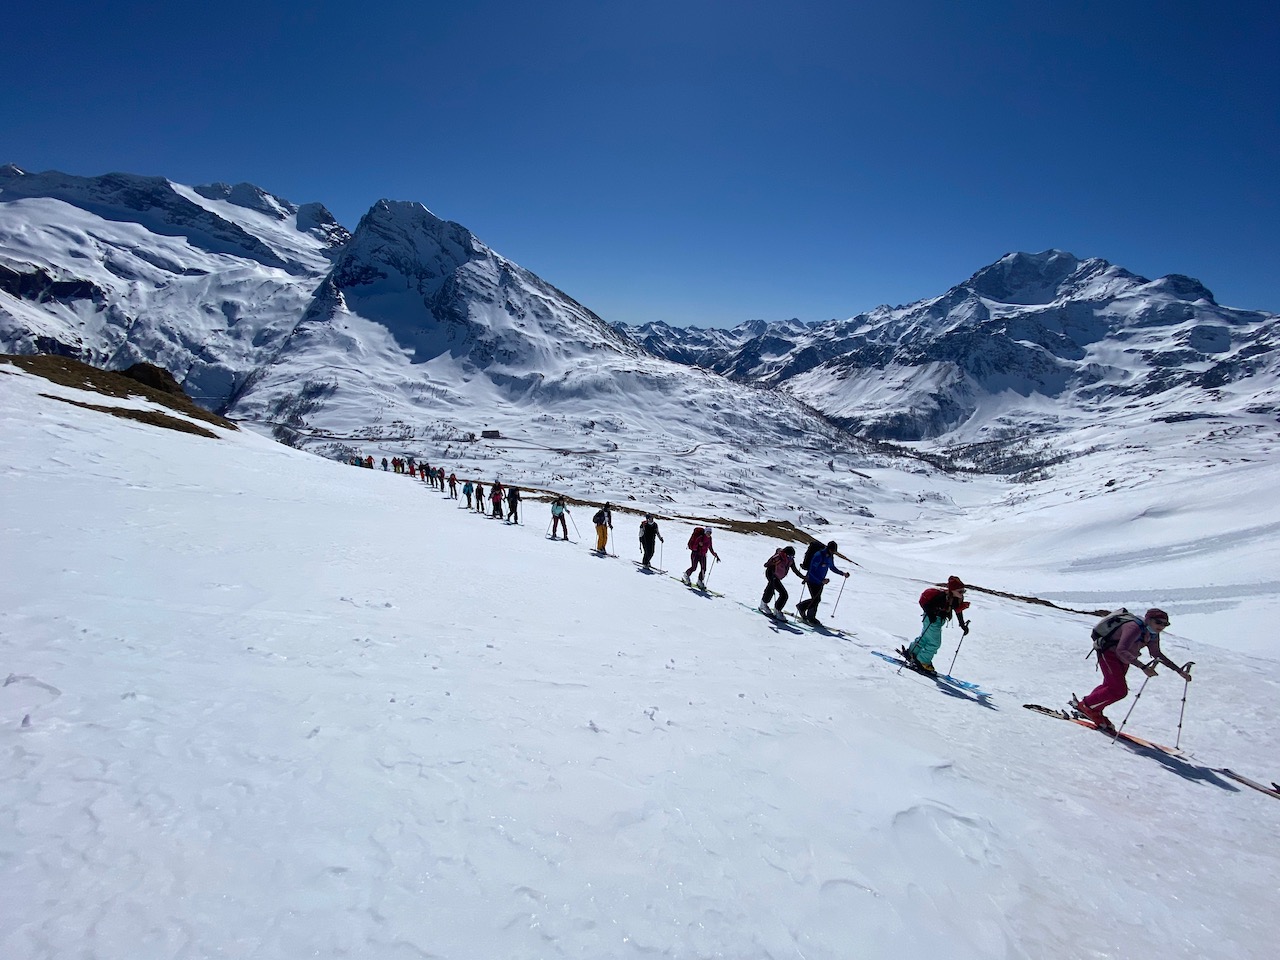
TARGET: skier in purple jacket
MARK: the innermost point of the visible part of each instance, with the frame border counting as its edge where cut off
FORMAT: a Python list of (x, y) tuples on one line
[(1115, 661)]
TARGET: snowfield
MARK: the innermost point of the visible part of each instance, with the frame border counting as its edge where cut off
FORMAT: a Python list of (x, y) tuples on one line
[(260, 704)]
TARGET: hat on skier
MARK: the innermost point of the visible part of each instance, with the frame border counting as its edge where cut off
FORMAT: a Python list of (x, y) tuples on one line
[(831, 547), (955, 583), (1156, 615), (790, 550)]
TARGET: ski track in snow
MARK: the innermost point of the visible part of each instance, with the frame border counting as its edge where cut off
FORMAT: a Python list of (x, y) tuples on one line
[(276, 706)]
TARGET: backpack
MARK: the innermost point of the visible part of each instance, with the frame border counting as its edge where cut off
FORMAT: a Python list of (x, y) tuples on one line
[(1106, 632), (933, 598), (778, 564), (695, 538), (600, 519), (809, 552)]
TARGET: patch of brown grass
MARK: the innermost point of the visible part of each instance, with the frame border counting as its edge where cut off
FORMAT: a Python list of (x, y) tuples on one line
[(152, 417), (73, 373)]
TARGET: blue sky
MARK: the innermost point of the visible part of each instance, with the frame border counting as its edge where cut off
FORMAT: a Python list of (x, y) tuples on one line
[(700, 162)]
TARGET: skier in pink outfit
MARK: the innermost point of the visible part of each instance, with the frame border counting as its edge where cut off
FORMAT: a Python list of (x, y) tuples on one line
[(1115, 661)]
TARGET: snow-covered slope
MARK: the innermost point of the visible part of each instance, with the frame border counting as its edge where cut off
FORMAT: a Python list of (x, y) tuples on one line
[(119, 269), (1087, 335), (255, 703)]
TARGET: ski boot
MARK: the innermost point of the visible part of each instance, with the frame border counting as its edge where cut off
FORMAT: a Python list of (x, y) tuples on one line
[(1096, 717)]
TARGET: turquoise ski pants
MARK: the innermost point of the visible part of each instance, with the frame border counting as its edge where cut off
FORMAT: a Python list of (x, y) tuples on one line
[(925, 646)]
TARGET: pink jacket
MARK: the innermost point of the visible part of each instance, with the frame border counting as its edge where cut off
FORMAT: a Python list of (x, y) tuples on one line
[(781, 563), (1133, 637)]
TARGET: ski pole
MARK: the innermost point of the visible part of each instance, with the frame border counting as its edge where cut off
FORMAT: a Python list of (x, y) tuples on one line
[(550, 525), (575, 524), (836, 606), (1131, 706), (953, 659), (1186, 669)]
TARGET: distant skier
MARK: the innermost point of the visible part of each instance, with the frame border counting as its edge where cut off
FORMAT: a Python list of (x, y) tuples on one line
[(453, 486), (699, 546), (495, 497), (558, 521), (1116, 653), (467, 490), (603, 520), (513, 503), (815, 579), (384, 463), (649, 536), (937, 605), (776, 568), (479, 497)]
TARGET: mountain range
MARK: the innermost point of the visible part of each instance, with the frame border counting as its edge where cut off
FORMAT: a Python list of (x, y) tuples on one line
[(411, 331), (1087, 336)]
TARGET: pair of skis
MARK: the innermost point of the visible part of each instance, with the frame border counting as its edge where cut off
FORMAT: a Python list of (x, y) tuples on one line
[(698, 587), (1271, 791), (814, 626), (902, 660), (1089, 724)]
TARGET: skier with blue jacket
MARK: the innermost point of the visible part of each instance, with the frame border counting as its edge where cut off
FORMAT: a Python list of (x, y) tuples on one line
[(815, 579)]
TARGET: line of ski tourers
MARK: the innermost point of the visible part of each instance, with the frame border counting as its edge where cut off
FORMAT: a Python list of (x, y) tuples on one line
[(1119, 638)]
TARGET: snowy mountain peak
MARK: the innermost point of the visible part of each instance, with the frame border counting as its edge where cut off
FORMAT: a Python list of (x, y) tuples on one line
[(1025, 278), (151, 202), (438, 289), (405, 238), (1030, 327), (250, 197), (1180, 287), (315, 219)]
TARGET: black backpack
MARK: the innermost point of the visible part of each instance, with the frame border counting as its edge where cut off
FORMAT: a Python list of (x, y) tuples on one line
[(1106, 632), (809, 553), (601, 518)]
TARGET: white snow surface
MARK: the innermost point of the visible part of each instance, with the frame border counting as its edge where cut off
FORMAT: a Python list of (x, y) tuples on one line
[(261, 704)]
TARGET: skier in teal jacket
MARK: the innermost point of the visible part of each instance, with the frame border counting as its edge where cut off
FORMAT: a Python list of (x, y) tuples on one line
[(938, 606)]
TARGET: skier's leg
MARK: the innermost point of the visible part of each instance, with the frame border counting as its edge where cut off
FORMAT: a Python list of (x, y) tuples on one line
[(926, 645), (1113, 688)]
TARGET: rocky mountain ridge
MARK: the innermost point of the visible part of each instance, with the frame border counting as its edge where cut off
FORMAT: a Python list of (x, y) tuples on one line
[(1086, 334)]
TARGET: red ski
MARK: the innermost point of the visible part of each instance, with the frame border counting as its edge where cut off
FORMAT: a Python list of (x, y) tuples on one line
[(1128, 737), (1252, 783)]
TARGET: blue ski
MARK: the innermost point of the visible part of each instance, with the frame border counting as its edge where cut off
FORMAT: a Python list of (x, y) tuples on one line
[(942, 677)]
